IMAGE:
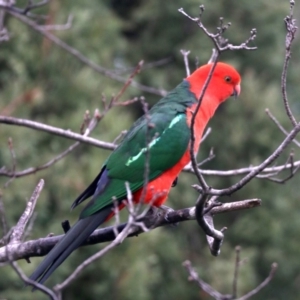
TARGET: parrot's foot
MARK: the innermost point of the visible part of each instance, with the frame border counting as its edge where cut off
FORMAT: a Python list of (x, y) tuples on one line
[(65, 225), (175, 182)]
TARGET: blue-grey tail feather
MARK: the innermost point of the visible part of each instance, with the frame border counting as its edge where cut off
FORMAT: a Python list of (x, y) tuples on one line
[(72, 240)]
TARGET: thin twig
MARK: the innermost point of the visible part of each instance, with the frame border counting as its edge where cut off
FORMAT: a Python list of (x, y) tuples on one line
[(58, 27), (291, 30), (92, 123), (210, 157), (78, 55), (14, 161), (4, 239), (185, 54), (32, 6), (273, 118), (118, 240), (19, 230), (220, 43), (243, 171), (149, 65), (258, 169), (129, 80), (236, 271), (201, 180), (193, 276), (33, 283), (262, 285), (56, 131), (206, 134)]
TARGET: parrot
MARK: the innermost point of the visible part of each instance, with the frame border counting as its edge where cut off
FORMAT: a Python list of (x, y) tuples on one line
[(165, 134)]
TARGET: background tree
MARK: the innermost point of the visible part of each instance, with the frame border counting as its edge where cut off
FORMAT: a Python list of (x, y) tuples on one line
[(41, 82)]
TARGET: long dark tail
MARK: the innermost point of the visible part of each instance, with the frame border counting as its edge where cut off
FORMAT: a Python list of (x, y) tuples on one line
[(72, 240)]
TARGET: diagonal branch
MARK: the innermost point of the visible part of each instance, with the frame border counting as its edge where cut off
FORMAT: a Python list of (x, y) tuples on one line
[(291, 29), (273, 118), (78, 55), (258, 169), (19, 230), (262, 285)]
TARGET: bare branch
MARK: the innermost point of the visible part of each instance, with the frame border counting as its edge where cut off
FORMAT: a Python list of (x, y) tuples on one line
[(273, 118), (35, 284), (193, 276), (204, 218), (56, 131), (293, 171), (210, 157), (243, 171), (236, 271), (214, 56), (263, 284), (149, 65), (4, 239), (201, 180), (128, 81), (58, 27), (257, 170), (92, 123), (4, 35), (206, 134), (185, 54), (118, 240), (220, 43), (42, 246), (19, 230), (291, 30), (33, 170), (13, 158), (32, 6), (78, 55)]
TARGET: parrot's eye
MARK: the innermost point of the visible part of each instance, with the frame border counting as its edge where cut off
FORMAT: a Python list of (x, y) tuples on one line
[(227, 78)]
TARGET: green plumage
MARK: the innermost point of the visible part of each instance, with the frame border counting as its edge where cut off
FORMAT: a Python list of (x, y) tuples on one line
[(167, 136)]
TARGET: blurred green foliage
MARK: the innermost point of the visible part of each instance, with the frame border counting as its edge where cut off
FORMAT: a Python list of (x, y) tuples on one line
[(39, 81)]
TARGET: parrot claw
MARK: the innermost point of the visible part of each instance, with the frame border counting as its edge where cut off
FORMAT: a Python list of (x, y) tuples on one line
[(175, 182), (65, 225)]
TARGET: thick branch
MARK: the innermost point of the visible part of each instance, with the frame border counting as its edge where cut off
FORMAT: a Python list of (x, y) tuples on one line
[(42, 246)]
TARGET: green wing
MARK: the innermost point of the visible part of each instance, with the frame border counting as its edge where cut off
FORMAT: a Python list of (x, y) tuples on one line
[(167, 135)]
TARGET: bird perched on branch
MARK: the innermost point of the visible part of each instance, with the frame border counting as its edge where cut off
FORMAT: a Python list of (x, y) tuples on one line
[(161, 139)]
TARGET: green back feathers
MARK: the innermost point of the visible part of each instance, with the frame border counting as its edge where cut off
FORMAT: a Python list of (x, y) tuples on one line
[(167, 135)]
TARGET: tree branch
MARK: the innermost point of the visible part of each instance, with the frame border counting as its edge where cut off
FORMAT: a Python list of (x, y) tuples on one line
[(56, 131), (291, 29), (42, 246), (79, 56), (257, 170), (19, 230)]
